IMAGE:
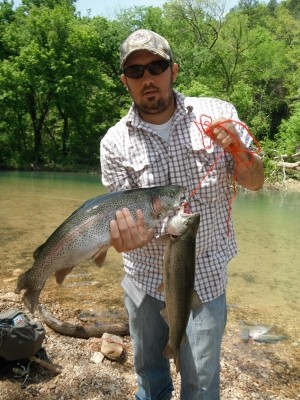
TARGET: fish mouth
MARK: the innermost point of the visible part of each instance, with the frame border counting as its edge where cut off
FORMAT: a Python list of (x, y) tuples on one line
[(185, 209)]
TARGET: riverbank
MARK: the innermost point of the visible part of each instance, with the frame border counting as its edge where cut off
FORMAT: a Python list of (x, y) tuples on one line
[(290, 185), (250, 370)]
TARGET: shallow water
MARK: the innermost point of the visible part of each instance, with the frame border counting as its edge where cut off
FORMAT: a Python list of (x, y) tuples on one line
[(263, 279)]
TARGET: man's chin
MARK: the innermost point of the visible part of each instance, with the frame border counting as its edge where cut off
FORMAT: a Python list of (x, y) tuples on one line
[(151, 107)]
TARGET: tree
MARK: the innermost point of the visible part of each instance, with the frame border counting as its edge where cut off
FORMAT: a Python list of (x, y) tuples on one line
[(6, 17), (62, 62), (288, 137)]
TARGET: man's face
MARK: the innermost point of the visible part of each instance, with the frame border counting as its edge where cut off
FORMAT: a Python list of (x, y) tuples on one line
[(152, 94)]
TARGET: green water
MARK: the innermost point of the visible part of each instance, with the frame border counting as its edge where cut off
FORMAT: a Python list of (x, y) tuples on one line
[(263, 279)]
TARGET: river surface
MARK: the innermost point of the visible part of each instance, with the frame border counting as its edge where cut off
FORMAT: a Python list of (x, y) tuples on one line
[(264, 279)]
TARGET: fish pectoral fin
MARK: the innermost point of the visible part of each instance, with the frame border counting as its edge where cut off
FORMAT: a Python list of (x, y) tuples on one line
[(184, 338), (61, 274), (196, 301), (164, 314), (162, 240), (99, 257), (161, 288)]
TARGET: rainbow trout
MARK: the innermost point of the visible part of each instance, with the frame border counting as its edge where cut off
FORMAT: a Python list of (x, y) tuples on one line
[(85, 235), (178, 279)]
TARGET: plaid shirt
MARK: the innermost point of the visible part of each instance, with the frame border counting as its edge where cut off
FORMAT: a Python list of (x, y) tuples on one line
[(133, 155)]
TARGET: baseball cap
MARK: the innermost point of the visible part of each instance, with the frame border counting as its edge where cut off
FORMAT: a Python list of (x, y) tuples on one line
[(144, 39)]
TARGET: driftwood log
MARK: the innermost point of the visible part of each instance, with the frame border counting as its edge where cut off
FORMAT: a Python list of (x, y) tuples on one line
[(289, 165), (81, 331)]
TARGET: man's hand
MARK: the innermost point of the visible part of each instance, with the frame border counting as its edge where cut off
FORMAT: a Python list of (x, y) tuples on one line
[(225, 135), (248, 166), (127, 234)]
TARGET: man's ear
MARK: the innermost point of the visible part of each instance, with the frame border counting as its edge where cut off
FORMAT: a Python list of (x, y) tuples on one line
[(123, 80), (175, 69)]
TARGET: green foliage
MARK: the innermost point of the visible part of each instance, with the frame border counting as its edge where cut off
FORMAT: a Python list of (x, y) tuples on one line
[(196, 89), (57, 88), (288, 137), (59, 73)]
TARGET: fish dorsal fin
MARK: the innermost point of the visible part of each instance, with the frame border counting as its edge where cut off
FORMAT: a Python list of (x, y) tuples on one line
[(37, 251)]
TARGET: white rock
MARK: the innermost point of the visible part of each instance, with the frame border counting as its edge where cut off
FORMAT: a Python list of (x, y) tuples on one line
[(112, 346), (97, 358)]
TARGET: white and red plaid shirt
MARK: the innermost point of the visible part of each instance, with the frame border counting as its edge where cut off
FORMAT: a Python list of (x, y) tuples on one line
[(133, 155)]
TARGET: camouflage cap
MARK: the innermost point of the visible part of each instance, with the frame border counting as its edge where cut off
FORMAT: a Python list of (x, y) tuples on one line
[(144, 39)]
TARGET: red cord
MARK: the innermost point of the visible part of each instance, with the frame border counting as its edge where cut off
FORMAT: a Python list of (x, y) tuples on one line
[(204, 128)]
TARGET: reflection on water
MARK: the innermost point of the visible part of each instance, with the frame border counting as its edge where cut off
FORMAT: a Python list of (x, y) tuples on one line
[(263, 279)]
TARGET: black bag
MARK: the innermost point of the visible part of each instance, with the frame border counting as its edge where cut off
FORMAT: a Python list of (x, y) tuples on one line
[(19, 337)]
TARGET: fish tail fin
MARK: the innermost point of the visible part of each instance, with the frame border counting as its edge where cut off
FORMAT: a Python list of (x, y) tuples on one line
[(177, 363), (31, 296), (31, 299), (22, 282), (169, 353)]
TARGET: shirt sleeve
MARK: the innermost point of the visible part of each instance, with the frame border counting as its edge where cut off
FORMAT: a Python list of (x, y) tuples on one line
[(241, 127), (113, 173)]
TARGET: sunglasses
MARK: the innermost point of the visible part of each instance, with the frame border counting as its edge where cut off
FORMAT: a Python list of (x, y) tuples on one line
[(154, 68)]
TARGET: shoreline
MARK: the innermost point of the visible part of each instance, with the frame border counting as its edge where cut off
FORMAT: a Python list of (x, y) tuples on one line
[(291, 185), (249, 370)]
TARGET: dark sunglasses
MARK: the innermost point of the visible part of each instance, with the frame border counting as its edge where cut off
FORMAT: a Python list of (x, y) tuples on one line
[(155, 68)]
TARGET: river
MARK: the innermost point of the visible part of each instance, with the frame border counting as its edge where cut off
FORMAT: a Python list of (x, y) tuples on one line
[(263, 282)]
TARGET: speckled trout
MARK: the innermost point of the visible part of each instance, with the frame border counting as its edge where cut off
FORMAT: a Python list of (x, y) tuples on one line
[(178, 279), (85, 234)]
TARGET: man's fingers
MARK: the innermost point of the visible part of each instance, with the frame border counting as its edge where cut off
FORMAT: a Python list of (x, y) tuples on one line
[(140, 223), (146, 234), (115, 237), (128, 233), (225, 133), (126, 223)]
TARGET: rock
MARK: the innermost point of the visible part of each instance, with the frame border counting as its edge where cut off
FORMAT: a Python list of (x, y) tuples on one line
[(17, 272), (97, 357), (112, 346)]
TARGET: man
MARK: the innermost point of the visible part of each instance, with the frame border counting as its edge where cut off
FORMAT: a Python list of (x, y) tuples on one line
[(159, 143)]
